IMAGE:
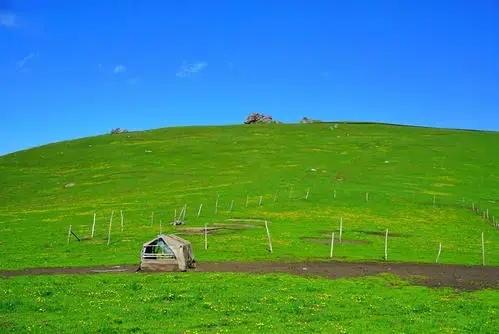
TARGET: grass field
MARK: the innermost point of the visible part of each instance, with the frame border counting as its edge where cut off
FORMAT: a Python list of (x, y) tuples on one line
[(159, 171), (210, 303), (403, 169)]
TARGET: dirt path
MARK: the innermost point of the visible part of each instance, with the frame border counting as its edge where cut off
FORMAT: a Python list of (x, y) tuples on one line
[(460, 277)]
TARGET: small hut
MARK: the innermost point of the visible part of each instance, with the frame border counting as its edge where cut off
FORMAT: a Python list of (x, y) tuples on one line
[(167, 253)]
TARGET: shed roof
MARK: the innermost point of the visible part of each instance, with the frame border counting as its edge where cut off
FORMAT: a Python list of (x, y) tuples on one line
[(170, 239)]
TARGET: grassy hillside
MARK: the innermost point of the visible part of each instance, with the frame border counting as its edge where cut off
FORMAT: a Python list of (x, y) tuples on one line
[(402, 169)]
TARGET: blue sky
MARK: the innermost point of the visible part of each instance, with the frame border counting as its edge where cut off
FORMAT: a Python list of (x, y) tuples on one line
[(77, 68)]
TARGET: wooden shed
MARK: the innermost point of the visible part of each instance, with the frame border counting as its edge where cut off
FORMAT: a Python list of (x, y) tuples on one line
[(167, 253)]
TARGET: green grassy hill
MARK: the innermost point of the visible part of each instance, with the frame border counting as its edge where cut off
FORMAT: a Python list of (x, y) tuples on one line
[(402, 168), (421, 185)]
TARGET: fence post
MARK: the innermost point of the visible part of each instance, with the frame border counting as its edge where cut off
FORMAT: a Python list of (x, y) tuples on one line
[(205, 236), (439, 250), (69, 234), (268, 236), (200, 207), (109, 232), (185, 211), (93, 228), (121, 214), (483, 251), (332, 246), (216, 205), (386, 245), (341, 229)]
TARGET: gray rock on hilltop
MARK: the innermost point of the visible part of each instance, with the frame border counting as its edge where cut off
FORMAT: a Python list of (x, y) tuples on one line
[(306, 120), (258, 118)]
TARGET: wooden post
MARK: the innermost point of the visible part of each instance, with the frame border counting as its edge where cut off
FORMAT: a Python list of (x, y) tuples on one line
[(483, 251), (308, 192), (386, 245), (69, 233), (260, 201), (367, 197), (205, 236), (93, 228), (160, 227), (268, 236), (473, 206), (439, 250), (216, 205), (247, 199), (152, 218), (200, 207), (121, 214), (181, 213), (109, 232), (341, 228), (332, 246), (231, 205)]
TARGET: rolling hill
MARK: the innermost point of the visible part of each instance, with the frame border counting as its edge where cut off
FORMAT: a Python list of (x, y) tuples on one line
[(421, 185), (427, 187)]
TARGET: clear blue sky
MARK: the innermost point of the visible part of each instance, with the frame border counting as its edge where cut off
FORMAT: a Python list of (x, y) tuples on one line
[(78, 68)]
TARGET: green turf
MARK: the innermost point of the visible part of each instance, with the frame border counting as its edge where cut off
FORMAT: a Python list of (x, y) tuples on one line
[(402, 168), (237, 303)]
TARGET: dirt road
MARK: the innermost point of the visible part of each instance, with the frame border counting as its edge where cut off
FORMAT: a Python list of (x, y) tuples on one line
[(460, 277)]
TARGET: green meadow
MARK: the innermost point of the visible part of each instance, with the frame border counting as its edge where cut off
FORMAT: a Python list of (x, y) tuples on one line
[(421, 185), (403, 170), (220, 303)]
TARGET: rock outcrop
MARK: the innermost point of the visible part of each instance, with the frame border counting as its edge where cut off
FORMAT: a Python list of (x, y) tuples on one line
[(258, 118), (118, 131), (306, 120)]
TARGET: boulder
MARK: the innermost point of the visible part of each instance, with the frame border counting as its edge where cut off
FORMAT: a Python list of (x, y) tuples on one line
[(118, 131), (306, 120), (258, 118)]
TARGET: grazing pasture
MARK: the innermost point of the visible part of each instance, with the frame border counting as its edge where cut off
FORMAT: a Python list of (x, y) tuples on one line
[(436, 191)]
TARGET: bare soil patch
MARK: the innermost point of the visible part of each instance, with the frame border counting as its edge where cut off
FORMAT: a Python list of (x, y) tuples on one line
[(381, 234), (467, 278), (343, 241), (237, 225), (248, 220), (218, 228), (198, 230)]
